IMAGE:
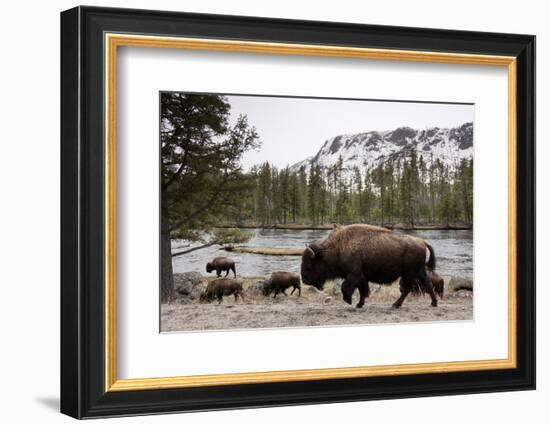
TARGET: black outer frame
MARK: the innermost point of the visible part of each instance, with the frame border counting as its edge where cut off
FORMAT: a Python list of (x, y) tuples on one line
[(82, 212)]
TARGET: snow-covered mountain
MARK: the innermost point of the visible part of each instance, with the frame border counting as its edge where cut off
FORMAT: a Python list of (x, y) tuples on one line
[(450, 145)]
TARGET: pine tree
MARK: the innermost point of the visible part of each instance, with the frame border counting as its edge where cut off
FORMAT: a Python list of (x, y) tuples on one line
[(414, 186), (381, 184), (275, 196), (265, 193), (405, 186), (465, 182), (390, 184), (369, 197), (315, 195), (304, 207), (410, 189), (423, 209), (323, 196), (201, 177), (432, 188), (359, 195), (295, 196), (285, 194)]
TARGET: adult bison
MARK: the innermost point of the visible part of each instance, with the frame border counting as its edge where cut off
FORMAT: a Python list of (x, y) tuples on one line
[(221, 264), (360, 253)]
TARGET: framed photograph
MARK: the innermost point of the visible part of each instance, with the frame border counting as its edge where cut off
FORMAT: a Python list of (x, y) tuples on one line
[(261, 212)]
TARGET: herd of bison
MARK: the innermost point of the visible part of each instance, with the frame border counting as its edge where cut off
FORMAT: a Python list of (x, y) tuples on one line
[(357, 253)]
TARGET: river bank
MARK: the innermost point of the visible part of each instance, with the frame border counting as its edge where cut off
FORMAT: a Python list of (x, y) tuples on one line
[(313, 308), (329, 226), (265, 250)]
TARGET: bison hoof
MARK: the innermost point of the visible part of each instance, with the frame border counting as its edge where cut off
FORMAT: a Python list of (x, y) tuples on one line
[(359, 306), (434, 304), (347, 299), (395, 305)]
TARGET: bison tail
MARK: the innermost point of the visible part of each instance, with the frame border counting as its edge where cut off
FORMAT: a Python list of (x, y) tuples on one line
[(431, 261)]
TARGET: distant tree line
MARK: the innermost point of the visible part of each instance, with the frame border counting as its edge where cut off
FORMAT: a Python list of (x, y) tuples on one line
[(410, 191)]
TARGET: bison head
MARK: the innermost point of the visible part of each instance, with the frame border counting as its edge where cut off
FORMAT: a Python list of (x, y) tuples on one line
[(205, 297), (209, 267), (266, 289), (314, 269)]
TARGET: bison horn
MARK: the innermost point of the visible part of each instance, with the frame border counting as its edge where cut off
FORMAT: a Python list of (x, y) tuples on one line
[(310, 252)]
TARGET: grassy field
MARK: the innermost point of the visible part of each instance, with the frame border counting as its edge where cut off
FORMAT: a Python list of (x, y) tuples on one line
[(313, 308)]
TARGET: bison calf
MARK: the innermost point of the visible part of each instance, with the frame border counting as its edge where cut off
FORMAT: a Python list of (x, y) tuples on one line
[(280, 282), (420, 288), (219, 288), (221, 264)]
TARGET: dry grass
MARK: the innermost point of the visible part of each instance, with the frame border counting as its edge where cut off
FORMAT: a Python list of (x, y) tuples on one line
[(313, 308)]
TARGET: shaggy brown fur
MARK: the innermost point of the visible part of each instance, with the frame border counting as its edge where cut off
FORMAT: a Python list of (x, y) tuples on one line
[(337, 227), (361, 253), (221, 287), (280, 282), (221, 264), (418, 288)]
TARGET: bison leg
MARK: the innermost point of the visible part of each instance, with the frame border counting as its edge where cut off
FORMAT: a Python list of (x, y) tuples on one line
[(299, 290), (218, 272), (367, 288), (226, 272), (220, 299), (427, 283), (351, 282), (364, 292), (361, 302), (440, 288), (347, 290), (407, 284), (276, 292), (234, 270)]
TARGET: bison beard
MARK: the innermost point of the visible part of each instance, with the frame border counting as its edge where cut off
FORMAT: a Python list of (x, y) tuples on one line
[(361, 254)]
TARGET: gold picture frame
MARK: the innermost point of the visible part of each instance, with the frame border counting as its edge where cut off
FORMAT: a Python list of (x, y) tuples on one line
[(114, 41)]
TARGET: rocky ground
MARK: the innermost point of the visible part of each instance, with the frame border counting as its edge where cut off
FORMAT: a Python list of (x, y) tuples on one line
[(313, 308)]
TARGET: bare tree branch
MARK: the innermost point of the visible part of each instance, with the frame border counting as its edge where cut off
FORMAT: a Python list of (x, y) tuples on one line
[(196, 248), (205, 206)]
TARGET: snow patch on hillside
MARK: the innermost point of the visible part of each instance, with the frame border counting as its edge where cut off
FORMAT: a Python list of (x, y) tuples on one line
[(362, 150)]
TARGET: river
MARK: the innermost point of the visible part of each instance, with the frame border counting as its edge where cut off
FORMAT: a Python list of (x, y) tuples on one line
[(453, 249)]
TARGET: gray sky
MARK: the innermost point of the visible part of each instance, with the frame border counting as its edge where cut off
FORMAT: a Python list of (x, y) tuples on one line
[(292, 129)]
